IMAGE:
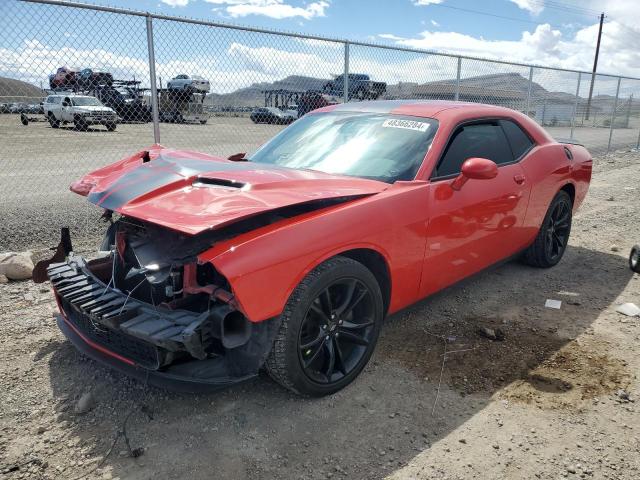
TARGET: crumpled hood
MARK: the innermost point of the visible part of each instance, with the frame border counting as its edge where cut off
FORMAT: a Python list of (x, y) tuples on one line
[(192, 192)]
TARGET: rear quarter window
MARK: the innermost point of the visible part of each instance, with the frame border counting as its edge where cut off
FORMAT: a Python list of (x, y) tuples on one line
[(518, 140)]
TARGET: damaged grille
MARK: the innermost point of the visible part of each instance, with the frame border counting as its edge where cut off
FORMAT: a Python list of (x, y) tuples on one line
[(135, 330), (139, 352)]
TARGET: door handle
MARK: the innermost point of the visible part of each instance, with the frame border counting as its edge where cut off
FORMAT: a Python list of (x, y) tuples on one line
[(519, 179)]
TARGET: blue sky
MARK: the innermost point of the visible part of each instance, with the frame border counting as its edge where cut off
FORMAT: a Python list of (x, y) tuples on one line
[(557, 33), (364, 19)]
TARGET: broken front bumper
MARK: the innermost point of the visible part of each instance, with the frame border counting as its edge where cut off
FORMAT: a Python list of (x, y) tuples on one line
[(167, 348)]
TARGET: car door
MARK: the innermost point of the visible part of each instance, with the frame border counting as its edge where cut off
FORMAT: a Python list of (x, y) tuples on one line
[(56, 107), (67, 110), (476, 226)]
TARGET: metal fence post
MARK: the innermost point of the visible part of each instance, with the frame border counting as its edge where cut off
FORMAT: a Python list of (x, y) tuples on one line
[(575, 106), (457, 97), (152, 80), (526, 112), (613, 114), (345, 86)]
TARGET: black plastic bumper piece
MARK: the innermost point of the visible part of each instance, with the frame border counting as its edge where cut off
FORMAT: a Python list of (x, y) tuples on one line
[(123, 324), (147, 343), (177, 381)]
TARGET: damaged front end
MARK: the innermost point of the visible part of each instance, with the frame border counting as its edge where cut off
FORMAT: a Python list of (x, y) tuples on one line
[(148, 307)]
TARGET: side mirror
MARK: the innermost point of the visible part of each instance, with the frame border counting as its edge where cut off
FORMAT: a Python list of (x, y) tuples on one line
[(237, 157), (476, 169), (65, 104)]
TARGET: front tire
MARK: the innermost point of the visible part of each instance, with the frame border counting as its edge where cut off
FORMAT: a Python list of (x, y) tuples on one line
[(330, 326), (553, 236), (52, 121)]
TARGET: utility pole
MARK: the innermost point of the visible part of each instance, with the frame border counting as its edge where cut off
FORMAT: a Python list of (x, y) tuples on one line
[(595, 67)]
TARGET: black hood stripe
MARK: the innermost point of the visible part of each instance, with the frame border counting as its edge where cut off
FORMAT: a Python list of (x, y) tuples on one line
[(161, 171)]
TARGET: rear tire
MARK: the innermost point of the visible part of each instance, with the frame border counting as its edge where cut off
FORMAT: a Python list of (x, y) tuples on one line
[(329, 329), (80, 124), (552, 239), (634, 259)]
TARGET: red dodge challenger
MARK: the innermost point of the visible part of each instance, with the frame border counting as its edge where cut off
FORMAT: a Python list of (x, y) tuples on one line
[(290, 259)]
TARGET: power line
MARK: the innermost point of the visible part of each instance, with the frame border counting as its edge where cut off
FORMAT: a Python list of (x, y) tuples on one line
[(556, 5), (626, 27), (566, 7), (488, 14)]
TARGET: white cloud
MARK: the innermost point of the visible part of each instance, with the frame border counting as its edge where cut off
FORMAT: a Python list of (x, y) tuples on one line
[(422, 3), (272, 8), (534, 7), (176, 3), (391, 36), (543, 46), (434, 23)]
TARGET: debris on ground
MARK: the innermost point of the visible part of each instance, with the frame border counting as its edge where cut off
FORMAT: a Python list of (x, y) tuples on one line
[(16, 266), (629, 309), (550, 303), (491, 334), (624, 395), (85, 403)]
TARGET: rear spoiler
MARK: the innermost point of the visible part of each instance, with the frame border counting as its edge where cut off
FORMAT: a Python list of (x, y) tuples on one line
[(569, 141)]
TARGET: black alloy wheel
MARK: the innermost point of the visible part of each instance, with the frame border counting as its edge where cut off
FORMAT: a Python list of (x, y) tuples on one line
[(557, 230), (553, 237), (328, 328), (336, 331)]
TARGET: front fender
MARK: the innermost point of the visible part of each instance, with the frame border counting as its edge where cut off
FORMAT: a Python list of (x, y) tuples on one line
[(264, 266)]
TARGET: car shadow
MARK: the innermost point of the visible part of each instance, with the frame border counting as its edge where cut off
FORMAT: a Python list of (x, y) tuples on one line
[(389, 414), (91, 128)]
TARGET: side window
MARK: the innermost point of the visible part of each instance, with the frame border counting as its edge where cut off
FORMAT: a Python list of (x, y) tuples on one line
[(484, 140), (518, 139)]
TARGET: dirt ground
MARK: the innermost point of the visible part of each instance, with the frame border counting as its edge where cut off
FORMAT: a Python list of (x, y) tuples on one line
[(557, 398)]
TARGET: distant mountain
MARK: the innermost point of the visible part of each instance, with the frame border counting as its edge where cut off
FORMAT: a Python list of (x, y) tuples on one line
[(12, 90)]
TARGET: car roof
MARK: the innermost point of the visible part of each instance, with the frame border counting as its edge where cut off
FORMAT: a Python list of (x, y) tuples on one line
[(448, 112), (417, 108)]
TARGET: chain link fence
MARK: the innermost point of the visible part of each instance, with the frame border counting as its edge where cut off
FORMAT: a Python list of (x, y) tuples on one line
[(82, 86)]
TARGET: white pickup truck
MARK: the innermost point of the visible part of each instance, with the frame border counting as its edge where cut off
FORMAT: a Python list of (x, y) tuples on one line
[(80, 110)]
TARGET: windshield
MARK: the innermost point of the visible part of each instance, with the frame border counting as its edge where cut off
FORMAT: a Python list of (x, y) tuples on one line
[(86, 102), (369, 145)]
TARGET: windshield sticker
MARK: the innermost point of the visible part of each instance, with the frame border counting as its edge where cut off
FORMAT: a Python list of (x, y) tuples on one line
[(406, 124)]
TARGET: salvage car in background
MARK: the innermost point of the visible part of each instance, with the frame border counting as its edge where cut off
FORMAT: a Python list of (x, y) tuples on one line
[(272, 115), (125, 97), (189, 82), (360, 86), (81, 110), (64, 77), (290, 259), (89, 78)]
